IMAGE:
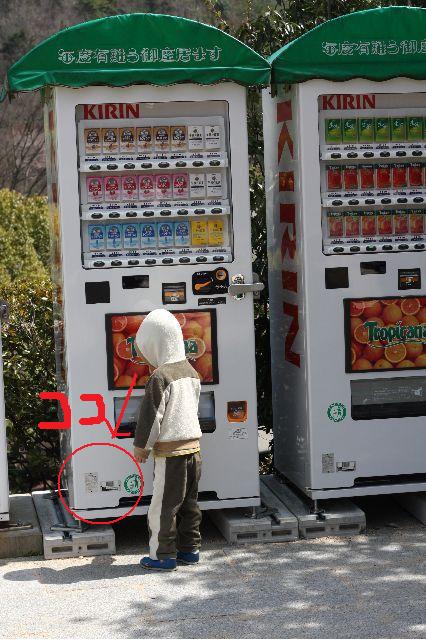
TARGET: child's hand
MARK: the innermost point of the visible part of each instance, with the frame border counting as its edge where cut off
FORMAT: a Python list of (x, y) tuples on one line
[(141, 455)]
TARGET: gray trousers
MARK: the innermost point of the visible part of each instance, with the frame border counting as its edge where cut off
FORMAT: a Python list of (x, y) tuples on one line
[(174, 516)]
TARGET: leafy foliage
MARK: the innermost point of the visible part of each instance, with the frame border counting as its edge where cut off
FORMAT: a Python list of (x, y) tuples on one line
[(29, 364), (24, 238)]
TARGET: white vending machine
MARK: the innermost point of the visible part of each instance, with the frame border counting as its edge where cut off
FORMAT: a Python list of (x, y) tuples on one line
[(146, 140), (345, 150)]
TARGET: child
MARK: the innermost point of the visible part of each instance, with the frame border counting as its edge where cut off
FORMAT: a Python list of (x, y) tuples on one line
[(168, 425)]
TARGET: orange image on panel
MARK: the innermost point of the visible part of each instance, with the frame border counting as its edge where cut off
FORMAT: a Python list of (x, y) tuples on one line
[(197, 328), (387, 333)]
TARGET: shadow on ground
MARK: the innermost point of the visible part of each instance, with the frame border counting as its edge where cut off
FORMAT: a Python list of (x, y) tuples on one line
[(366, 586)]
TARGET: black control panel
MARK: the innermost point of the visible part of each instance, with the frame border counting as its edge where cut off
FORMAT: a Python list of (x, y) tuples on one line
[(210, 282)]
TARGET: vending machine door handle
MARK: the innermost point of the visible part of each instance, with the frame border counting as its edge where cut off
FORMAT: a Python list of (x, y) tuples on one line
[(239, 288)]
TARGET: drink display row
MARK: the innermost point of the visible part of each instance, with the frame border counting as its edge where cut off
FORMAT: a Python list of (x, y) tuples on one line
[(150, 235), (147, 139), (149, 187), (355, 224), (353, 177), (379, 129)]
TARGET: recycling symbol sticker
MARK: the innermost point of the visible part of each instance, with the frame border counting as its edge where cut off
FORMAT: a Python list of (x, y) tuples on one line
[(132, 483), (336, 412)]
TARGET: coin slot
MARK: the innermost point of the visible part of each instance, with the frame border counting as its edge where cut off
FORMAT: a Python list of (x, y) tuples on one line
[(373, 268), (135, 282)]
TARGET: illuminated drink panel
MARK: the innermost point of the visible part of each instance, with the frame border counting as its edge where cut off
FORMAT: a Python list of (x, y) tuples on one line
[(385, 334), (124, 360)]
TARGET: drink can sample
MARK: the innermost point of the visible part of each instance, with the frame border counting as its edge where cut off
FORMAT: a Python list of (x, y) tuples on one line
[(216, 232), (182, 233), (384, 223), (165, 234), (212, 137), (146, 187), (144, 142), (163, 186), (214, 184), (414, 128), (197, 186), (92, 141), (127, 140), (366, 176), (131, 235), (399, 175), (180, 186), (417, 221), (110, 140), (114, 237), (333, 130), (199, 233), (96, 237), (95, 189), (399, 129), (148, 235), (415, 174), (400, 222), (366, 129), (195, 137), (382, 129), (112, 188), (350, 177), (352, 224), (368, 223), (383, 176), (350, 130), (162, 138), (129, 188), (179, 137), (335, 220), (334, 177)]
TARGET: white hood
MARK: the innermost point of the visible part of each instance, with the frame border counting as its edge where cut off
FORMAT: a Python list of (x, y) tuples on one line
[(160, 339)]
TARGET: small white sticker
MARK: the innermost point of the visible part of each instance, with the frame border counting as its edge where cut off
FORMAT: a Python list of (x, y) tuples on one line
[(91, 482), (348, 465), (328, 462), (238, 433), (111, 485)]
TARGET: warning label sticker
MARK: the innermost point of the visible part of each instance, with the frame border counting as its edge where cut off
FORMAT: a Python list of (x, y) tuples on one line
[(91, 482), (328, 462)]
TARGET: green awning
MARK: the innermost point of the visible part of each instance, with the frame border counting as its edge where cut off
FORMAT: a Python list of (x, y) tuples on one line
[(137, 48), (377, 44)]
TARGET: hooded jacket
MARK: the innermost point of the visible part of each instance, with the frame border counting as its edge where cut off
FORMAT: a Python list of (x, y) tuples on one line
[(168, 416)]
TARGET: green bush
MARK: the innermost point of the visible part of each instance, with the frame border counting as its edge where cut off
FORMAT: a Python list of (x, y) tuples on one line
[(29, 365), (28, 346)]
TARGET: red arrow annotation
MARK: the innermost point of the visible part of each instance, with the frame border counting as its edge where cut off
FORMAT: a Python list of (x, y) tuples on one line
[(100, 418)]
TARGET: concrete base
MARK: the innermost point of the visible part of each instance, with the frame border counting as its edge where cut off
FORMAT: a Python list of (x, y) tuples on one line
[(338, 517), (17, 542), (414, 503), (96, 540), (271, 523)]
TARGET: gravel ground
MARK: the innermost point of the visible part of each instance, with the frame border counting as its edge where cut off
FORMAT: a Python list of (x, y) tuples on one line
[(369, 586)]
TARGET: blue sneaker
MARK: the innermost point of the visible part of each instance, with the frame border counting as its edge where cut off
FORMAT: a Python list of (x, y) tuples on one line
[(188, 558), (168, 564)]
